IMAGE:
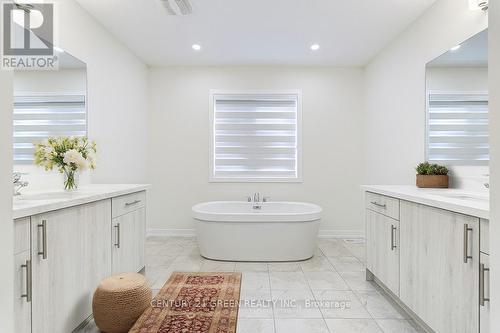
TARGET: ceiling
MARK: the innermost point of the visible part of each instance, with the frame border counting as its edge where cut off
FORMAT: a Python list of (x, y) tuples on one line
[(472, 53), (258, 32)]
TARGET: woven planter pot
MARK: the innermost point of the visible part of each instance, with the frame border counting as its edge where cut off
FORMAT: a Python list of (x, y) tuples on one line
[(119, 301), (432, 181)]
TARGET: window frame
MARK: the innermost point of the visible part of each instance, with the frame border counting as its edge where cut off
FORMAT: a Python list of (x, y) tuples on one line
[(212, 179)]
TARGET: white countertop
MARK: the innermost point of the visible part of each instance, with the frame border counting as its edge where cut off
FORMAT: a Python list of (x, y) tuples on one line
[(31, 203), (465, 202)]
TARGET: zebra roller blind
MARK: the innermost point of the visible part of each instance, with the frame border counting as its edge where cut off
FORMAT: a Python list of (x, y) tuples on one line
[(255, 137), (458, 128), (38, 117)]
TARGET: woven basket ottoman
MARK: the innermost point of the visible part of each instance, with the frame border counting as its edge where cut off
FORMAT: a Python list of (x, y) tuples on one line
[(119, 301)]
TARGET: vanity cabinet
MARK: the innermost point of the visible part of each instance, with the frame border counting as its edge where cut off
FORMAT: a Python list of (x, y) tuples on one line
[(440, 267), (129, 220), (22, 293), (484, 292), (382, 233), (484, 278), (22, 276), (433, 261), (484, 246), (70, 251), (62, 255)]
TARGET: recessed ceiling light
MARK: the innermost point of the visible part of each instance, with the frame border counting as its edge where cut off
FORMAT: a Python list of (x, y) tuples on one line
[(454, 48), (58, 49), (315, 47), (196, 47)]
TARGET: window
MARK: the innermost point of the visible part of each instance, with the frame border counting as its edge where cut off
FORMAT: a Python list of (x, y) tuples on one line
[(255, 137), (457, 127), (40, 116)]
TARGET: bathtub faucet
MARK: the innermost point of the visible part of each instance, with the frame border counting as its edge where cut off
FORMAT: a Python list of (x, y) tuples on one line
[(256, 201)]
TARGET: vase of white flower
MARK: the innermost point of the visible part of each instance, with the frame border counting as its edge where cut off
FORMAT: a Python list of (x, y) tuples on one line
[(71, 180), (68, 155)]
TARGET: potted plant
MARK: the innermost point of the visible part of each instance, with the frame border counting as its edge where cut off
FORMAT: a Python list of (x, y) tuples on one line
[(69, 155), (432, 175)]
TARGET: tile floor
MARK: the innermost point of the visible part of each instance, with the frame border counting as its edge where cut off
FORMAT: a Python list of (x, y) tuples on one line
[(326, 294)]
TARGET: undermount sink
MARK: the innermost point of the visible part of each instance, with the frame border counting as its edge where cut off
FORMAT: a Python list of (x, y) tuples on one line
[(46, 196), (465, 196)]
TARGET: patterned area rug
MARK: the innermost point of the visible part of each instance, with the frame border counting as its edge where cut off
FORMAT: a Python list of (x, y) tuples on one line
[(194, 302)]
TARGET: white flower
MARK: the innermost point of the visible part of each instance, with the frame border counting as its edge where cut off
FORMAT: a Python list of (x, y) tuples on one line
[(48, 150), (91, 159), (75, 157)]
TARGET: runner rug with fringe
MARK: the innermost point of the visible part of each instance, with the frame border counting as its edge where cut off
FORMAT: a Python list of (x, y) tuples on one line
[(194, 302)]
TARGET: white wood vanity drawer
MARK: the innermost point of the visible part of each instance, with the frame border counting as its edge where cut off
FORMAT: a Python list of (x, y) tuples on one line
[(127, 203), (484, 240), (22, 235), (384, 205), (22, 292)]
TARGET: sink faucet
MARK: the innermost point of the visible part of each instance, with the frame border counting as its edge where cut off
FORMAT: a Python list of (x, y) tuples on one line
[(487, 185), (17, 183)]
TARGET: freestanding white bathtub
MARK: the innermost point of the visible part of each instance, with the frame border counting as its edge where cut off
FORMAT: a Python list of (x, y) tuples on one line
[(235, 231)]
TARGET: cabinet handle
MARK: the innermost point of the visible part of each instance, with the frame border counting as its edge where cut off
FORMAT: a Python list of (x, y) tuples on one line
[(28, 281), (466, 243), (43, 226), (379, 204), (132, 203), (482, 282), (117, 226), (393, 238)]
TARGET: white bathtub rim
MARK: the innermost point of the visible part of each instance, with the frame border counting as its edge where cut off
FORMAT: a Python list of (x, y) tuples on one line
[(257, 219), (257, 215)]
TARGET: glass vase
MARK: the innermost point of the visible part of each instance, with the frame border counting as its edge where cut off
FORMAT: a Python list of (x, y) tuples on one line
[(71, 178)]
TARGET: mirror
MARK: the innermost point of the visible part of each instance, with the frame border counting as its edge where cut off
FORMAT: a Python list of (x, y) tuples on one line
[(457, 105), (49, 103)]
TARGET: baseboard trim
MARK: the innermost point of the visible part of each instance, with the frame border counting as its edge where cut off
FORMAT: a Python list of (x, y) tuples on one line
[(171, 232), (82, 326), (333, 233), (323, 233), (416, 319)]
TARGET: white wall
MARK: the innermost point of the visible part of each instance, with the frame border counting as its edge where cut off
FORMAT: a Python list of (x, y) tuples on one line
[(6, 225), (457, 79), (395, 91), (61, 81), (117, 98), (117, 94), (332, 141), (494, 77)]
